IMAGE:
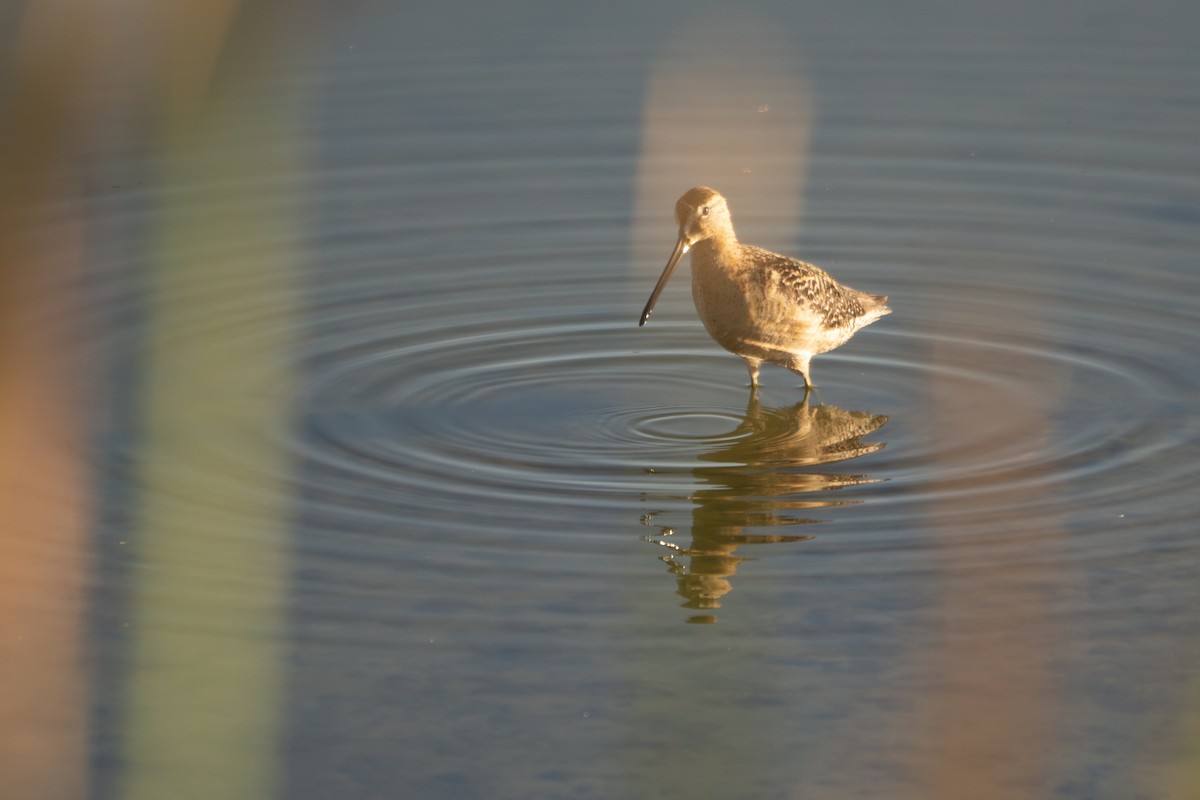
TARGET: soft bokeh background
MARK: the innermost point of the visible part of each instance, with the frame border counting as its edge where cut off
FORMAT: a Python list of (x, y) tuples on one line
[(335, 464)]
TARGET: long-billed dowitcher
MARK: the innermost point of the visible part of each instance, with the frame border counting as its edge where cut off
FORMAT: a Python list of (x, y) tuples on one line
[(756, 304)]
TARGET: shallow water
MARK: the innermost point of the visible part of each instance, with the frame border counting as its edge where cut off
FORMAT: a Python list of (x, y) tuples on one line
[(392, 496)]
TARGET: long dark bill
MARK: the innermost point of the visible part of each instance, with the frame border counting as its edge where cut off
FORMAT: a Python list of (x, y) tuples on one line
[(681, 247)]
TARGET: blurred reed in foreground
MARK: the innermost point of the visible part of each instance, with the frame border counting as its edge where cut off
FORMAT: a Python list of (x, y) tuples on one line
[(201, 699)]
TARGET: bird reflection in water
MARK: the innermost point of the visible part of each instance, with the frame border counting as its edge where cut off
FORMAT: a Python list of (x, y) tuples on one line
[(754, 481)]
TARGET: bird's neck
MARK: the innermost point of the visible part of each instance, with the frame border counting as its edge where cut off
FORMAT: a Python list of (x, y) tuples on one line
[(719, 245)]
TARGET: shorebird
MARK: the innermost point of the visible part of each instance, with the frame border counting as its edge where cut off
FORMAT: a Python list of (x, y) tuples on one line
[(759, 305)]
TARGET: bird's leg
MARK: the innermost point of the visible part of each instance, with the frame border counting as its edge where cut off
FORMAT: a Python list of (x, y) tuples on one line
[(800, 365), (752, 367)]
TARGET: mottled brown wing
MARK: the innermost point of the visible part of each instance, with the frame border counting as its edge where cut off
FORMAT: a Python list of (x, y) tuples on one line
[(813, 288)]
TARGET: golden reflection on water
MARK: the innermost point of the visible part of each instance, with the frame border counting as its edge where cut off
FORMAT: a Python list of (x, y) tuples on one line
[(755, 481)]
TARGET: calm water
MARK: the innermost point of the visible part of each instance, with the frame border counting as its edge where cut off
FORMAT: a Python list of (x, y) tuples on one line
[(391, 497)]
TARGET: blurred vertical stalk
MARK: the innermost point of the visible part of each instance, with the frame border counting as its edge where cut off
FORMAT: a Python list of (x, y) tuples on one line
[(744, 129), (44, 494), (992, 710), (202, 701)]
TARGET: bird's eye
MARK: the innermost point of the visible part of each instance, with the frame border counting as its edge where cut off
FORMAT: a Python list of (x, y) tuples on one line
[(704, 211)]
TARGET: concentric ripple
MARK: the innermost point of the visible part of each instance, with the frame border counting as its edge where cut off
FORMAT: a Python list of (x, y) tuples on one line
[(506, 403), (467, 357)]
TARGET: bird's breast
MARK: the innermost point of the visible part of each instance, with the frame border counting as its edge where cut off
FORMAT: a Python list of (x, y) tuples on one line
[(740, 307)]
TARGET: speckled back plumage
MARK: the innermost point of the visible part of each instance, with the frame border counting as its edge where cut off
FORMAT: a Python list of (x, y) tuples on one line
[(836, 305)]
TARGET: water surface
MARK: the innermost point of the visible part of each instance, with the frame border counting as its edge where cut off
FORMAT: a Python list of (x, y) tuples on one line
[(392, 497)]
